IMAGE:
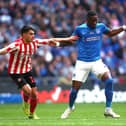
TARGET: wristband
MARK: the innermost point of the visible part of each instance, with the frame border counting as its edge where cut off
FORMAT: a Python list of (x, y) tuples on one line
[(124, 27), (57, 43)]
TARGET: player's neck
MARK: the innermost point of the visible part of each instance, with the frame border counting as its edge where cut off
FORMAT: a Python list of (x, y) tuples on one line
[(90, 26), (25, 41)]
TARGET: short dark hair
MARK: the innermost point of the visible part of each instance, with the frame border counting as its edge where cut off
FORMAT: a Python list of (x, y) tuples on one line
[(91, 13), (26, 28)]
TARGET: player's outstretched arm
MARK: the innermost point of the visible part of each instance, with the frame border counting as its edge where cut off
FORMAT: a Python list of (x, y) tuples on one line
[(63, 41), (3, 51), (70, 39), (114, 32), (58, 41)]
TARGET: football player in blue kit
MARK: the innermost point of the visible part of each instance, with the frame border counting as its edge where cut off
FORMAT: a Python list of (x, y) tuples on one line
[(89, 60)]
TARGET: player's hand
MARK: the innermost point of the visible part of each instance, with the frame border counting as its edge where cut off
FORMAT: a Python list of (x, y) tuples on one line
[(53, 43)]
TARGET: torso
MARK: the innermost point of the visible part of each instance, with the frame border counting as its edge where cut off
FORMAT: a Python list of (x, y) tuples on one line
[(90, 42), (20, 59)]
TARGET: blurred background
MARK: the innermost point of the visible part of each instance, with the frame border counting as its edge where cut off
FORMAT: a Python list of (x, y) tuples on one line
[(53, 67)]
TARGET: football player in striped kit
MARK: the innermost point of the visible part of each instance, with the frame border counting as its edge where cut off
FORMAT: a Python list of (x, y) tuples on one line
[(20, 66)]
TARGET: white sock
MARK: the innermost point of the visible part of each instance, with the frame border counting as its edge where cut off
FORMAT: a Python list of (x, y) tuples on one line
[(108, 109)]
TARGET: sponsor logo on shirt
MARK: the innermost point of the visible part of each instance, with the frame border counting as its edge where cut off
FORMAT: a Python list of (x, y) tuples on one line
[(95, 38)]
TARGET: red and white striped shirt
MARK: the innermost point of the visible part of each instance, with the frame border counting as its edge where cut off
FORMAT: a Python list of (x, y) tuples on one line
[(21, 55)]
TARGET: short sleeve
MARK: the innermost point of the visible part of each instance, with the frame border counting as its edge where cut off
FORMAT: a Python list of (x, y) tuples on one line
[(75, 32), (40, 42), (12, 47), (105, 29)]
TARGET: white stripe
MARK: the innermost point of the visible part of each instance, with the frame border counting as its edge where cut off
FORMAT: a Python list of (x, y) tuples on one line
[(26, 59), (41, 44), (32, 48), (30, 58), (36, 44)]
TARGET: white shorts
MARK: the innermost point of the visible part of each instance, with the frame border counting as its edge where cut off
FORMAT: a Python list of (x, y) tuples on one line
[(82, 69)]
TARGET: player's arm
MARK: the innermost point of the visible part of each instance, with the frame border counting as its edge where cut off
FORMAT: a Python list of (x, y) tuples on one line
[(67, 41), (9, 48), (70, 39), (3, 51), (116, 31), (57, 41), (64, 41), (50, 42)]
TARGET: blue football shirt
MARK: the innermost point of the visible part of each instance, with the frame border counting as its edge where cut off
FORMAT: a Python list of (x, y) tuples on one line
[(89, 44)]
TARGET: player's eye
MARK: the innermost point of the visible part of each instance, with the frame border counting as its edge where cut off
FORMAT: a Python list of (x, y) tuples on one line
[(32, 33)]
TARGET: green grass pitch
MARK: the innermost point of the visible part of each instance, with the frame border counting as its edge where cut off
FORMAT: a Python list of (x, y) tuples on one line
[(84, 115)]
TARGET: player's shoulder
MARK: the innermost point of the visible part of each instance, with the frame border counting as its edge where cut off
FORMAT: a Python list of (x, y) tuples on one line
[(35, 39), (80, 27), (18, 41), (100, 24)]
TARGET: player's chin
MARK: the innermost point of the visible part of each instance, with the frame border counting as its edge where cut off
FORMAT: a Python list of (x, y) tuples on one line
[(93, 26), (32, 39)]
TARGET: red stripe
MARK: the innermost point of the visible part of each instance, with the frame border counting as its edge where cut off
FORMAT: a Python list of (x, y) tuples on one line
[(25, 52), (44, 42), (8, 49), (41, 43), (10, 62), (17, 60), (30, 49)]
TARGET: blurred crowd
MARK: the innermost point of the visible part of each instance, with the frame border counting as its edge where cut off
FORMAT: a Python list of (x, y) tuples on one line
[(58, 18)]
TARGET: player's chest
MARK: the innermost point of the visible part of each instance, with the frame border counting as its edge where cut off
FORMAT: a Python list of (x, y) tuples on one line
[(88, 32), (90, 35), (26, 50)]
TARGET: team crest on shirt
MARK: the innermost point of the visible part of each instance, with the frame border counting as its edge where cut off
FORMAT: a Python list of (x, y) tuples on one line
[(83, 33), (97, 31)]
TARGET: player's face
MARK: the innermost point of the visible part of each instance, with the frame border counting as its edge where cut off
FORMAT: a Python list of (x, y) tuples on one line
[(29, 36), (92, 21)]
